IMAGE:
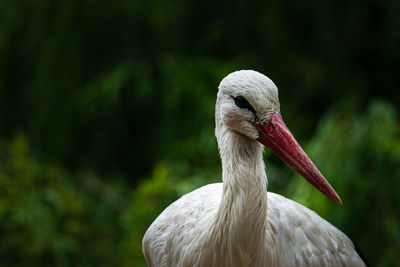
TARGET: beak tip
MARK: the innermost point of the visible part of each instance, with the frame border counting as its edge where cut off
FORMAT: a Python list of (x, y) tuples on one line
[(339, 201), (335, 198)]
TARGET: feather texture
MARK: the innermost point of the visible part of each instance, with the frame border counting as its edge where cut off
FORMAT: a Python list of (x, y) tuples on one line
[(293, 236)]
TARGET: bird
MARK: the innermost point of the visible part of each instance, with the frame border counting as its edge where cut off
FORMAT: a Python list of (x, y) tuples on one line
[(237, 222)]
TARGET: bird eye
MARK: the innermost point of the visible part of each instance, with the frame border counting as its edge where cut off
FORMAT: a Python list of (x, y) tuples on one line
[(241, 102)]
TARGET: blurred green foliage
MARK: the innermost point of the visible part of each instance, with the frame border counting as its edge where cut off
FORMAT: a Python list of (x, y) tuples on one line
[(360, 154), (107, 116), (50, 218)]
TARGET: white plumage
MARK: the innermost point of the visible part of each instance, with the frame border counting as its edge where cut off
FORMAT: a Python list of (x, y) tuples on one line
[(237, 223)]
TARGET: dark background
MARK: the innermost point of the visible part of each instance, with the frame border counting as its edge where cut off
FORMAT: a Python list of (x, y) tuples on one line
[(107, 116)]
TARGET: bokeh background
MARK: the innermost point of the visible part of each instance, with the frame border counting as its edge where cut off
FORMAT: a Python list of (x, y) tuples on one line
[(107, 116)]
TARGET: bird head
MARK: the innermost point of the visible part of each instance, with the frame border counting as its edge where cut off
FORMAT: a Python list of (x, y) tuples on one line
[(248, 104)]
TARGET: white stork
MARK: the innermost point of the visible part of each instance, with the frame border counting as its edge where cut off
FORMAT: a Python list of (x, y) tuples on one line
[(237, 223)]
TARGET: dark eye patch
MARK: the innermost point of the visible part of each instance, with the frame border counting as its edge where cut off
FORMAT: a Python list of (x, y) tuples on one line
[(241, 102)]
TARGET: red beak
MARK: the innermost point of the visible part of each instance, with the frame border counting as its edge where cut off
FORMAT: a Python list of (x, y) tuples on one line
[(276, 136)]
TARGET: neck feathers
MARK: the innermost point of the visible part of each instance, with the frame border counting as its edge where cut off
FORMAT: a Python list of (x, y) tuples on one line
[(239, 226)]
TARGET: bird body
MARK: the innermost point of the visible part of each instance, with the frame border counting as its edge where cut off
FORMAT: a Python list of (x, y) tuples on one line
[(237, 222), (186, 239)]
